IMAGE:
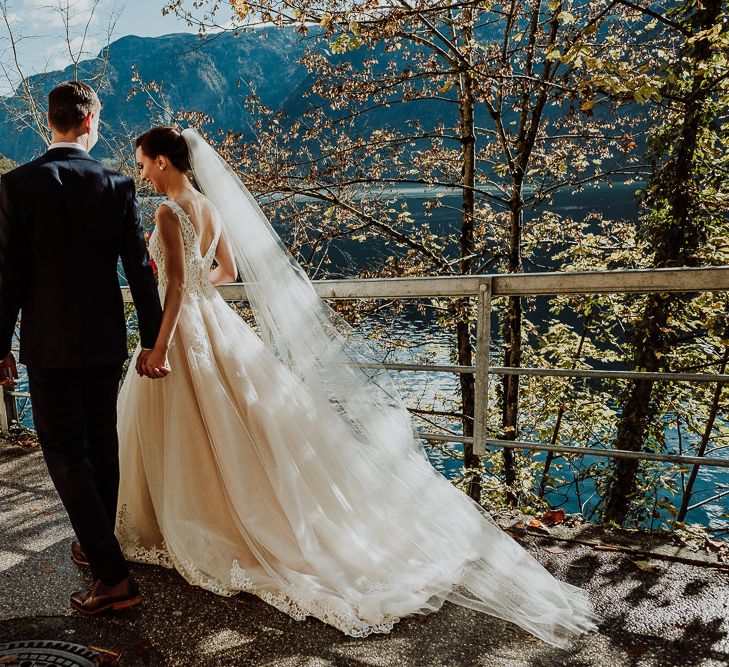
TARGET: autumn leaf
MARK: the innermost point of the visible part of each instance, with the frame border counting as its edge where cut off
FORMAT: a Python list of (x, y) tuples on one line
[(537, 525), (553, 517), (636, 649), (566, 17), (714, 545), (647, 566), (105, 657)]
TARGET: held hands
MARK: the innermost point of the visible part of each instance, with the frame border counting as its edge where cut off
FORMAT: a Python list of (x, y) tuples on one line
[(8, 370), (152, 364)]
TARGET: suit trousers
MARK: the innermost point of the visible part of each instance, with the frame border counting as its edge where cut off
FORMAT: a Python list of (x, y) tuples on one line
[(74, 410)]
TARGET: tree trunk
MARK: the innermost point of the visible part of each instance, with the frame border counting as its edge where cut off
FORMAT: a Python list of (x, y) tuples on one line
[(529, 123), (704, 439), (676, 246), (463, 321), (512, 348), (561, 411), (637, 411)]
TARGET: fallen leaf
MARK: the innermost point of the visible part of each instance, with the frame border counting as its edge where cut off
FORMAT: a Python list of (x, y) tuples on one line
[(538, 526), (647, 566), (8, 659), (553, 517), (105, 657), (637, 649), (556, 550), (714, 545), (46, 569)]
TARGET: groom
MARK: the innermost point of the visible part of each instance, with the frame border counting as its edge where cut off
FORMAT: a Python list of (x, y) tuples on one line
[(65, 220)]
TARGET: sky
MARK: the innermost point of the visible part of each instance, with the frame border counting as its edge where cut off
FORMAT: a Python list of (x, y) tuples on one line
[(40, 33)]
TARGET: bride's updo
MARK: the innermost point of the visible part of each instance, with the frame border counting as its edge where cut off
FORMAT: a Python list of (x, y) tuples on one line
[(165, 140)]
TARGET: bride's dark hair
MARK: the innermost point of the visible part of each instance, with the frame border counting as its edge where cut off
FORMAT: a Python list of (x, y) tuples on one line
[(165, 140)]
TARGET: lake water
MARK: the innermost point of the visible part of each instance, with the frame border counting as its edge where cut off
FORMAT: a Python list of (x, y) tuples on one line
[(429, 343)]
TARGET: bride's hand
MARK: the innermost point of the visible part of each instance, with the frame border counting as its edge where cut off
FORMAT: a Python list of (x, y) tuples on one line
[(156, 365)]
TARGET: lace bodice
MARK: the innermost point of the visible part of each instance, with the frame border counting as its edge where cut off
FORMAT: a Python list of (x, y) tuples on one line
[(197, 266)]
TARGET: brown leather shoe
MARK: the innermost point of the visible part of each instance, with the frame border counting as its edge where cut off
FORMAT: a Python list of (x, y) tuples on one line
[(102, 597), (77, 553)]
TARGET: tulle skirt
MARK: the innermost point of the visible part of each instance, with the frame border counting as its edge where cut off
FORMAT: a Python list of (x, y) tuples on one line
[(230, 475)]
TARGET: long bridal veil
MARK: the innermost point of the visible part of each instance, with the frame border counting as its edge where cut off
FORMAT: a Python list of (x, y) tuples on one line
[(379, 533), (339, 369)]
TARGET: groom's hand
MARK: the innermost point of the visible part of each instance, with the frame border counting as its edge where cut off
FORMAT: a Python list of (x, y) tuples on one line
[(141, 358), (156, 365), (8, 370)]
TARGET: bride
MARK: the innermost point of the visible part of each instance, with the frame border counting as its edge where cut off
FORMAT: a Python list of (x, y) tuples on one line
[(281, 465)]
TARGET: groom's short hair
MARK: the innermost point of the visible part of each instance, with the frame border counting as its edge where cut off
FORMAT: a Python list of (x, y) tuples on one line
[(69, 103)]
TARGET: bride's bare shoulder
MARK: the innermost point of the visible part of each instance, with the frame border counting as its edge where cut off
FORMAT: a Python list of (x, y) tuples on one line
[(165, 211)]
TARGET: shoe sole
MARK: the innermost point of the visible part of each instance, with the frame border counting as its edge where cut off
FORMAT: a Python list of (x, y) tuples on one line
[(121, 604), (85, 563)]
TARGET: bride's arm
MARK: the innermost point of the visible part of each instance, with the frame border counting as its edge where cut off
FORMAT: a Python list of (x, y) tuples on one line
[(168, 229), (226, 270)]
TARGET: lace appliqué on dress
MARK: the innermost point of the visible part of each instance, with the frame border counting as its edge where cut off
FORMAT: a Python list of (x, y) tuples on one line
[(297, 605), (132, 548), (162, 555), (197, 267), (291, 602)]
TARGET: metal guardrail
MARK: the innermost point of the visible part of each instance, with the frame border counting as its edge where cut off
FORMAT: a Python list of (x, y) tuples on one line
[(484, 287)]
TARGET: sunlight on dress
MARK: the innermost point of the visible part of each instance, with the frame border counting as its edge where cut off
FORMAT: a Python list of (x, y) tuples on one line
[(232, 475)]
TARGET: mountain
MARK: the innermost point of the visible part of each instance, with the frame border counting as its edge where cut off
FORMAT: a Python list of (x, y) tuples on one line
[(208, 75), (213, 75)]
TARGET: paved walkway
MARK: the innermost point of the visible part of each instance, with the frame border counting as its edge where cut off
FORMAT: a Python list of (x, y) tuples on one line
[(659, 612)]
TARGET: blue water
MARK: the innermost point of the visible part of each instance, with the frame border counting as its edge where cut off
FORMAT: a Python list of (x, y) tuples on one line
[(426, 390)]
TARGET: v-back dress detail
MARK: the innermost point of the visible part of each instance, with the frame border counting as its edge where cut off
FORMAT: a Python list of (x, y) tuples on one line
[(230, 476)]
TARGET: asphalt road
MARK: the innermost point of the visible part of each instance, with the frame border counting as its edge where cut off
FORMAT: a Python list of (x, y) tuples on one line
[(658, 613)]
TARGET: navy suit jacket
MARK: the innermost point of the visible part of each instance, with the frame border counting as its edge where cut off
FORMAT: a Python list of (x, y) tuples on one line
[(65, 220)]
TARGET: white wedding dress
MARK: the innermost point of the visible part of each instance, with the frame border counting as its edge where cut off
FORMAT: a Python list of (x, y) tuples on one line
[(232, 475)]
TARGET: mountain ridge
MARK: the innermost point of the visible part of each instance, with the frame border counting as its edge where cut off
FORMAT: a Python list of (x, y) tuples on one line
[(194, 74)]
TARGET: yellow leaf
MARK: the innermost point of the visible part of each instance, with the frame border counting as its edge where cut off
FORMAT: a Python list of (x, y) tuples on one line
[(647, 566), (566, 17)]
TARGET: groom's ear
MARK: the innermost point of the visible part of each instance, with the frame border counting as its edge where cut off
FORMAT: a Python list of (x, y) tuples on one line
[(87, 121)]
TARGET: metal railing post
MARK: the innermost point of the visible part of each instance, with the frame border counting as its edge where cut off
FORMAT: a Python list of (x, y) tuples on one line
[(4, 421), (8, 404), (481, 389)]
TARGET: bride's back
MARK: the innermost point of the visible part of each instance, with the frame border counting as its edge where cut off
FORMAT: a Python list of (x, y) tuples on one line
[(201, 214)]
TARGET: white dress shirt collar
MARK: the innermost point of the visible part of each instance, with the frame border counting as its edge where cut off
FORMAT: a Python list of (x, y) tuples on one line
[(67, 144)]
